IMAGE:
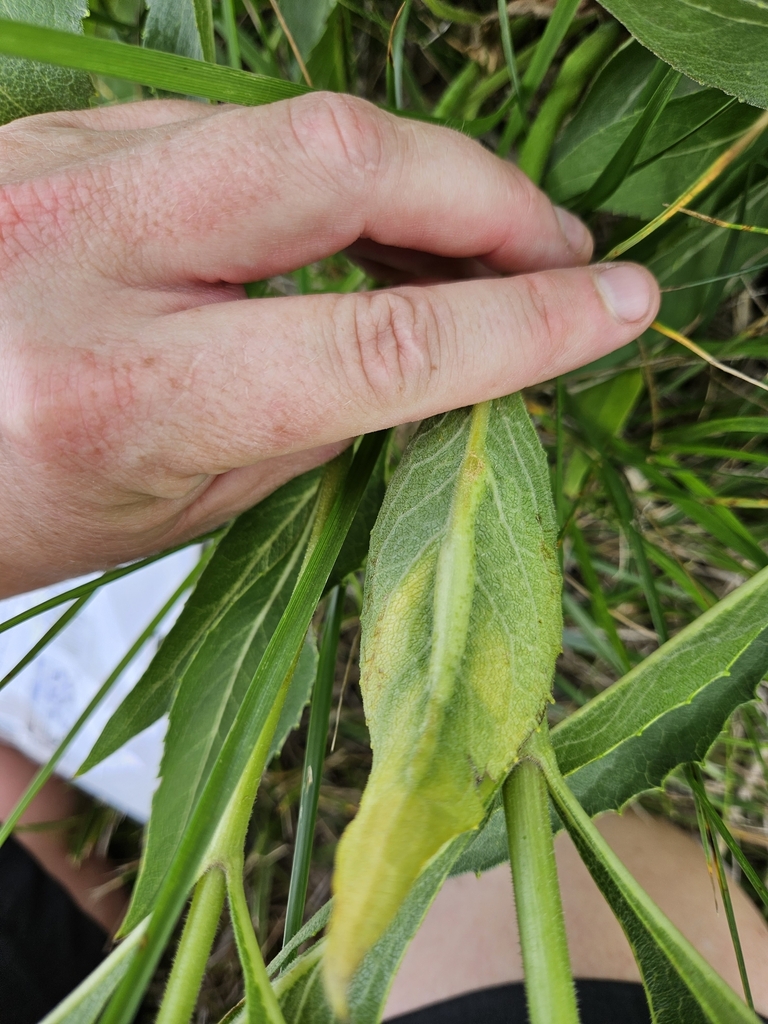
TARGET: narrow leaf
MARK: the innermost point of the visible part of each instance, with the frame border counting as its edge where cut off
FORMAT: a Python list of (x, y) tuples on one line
[(238, 749), (679, 983), (255, 543), (137, 64), (259, 564)]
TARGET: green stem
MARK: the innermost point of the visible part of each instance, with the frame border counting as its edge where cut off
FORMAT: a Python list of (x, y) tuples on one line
[(398, 44), (194, 949), (47, 770), (317, 738), (204, 20), (509, 55), (260, 999), (548, 980), (230, 31), (553, 35), (577, 70)]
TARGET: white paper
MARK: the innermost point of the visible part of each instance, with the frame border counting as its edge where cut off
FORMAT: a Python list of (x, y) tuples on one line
[(40, 705)]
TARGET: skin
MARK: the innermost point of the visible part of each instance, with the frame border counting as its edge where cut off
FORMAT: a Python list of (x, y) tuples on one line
[(144, 400), (469, 938)]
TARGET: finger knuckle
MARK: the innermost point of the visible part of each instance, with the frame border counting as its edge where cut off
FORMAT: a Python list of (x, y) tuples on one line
[(339, 135), (395, 339), (543, 319), (64, 410)]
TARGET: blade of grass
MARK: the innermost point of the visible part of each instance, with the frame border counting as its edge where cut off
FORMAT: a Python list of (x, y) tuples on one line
[(47, 770), (717, 277), (599, 604), (50, 634), (736, 852), (86, 589), (583, 620), (509, 56), (670, 332), (713, 172), (230, 30), (664, 81), (138, 64), (544, 54), (723, 223), (576, 71), (706, 811), (238, 747), (317, 739), (396, 46), (291, 42), (622, 503)]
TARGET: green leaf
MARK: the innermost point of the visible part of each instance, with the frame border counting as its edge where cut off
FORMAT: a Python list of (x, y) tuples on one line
[(693, 128), (237, 753), (306, 20), (254, 544), (300, 987), (137, 64), (610, 405), (679, 983), (256, 568), (184, 27), (457, 657), (297, 697), (722, 43), (667, 711), (622, 161), (671, 707), (32, 88), (84, 1004)]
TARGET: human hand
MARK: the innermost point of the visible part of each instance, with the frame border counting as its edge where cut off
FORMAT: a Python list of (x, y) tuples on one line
[(144, 400)]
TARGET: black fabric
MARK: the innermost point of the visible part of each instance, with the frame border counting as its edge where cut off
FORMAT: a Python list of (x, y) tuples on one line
[(47, 944), (600, 1002)]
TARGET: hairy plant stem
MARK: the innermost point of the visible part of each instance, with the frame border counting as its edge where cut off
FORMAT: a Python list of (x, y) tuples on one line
[(548, 979), (194, 949)]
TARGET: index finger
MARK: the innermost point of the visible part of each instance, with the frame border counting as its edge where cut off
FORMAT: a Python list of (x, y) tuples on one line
[(249, 193)]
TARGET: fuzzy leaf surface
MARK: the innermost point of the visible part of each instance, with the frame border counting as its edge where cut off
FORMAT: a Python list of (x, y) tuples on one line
[(221, 668), (257, 540), (31, 88), (721, 43), (461, 627)]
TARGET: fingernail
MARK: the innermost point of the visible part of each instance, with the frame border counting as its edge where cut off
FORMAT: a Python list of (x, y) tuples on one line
[(576, 233), (626, 289)]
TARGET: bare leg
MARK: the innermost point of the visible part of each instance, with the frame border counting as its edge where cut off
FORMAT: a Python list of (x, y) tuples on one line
[(469, 939), (56, 802)]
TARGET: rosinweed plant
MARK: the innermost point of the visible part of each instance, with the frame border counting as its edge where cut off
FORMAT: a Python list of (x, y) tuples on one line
[(645, 115)]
